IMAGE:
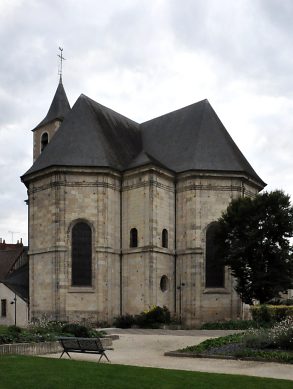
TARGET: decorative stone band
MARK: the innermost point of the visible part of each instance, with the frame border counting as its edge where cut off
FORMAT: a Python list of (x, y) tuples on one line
[(39, 348)]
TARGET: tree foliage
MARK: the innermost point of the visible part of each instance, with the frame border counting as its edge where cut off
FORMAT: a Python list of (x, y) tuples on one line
[(253, 239)]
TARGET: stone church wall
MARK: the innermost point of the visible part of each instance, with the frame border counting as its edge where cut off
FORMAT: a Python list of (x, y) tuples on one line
[(148, 206), (130, 280), (200, 201), (56, 203)]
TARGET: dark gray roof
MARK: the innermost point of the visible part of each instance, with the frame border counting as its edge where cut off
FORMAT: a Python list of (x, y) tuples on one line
[(18, 282), (59, 107), (91, 135), (142, 159), (9, 253), (191, 138)]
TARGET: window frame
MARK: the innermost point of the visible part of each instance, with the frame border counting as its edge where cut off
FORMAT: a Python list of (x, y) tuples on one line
[(3, 307), (213, 270), (42, 146), (165, 238), (75, 265), (133, 235)]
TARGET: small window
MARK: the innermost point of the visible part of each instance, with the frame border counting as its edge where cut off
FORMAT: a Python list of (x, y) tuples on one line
[(165, 238), (133, 237), (81, 255), (44, 140), (215, 270), (3, 308), (164, 284)]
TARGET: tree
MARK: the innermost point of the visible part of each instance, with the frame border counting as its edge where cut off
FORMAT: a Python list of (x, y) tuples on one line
[(253, 239)]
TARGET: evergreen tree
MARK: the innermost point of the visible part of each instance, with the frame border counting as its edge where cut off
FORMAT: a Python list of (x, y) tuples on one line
[(253, 239)]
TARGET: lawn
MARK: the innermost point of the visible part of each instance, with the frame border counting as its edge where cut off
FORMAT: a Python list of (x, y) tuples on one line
[(44, 373)]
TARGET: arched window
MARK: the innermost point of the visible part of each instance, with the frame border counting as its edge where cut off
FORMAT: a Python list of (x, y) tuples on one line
[(215, 269), (133, 237), (44, 140), (165, 238), (81, 255)]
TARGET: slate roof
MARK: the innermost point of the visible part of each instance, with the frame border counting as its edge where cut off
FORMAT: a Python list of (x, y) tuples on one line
[(194, 138), (58, 108), (18, 282), (8, 255), (15, 280), (191, 138)]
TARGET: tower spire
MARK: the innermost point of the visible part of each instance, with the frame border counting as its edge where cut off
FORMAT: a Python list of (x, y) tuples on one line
[(60, 65)]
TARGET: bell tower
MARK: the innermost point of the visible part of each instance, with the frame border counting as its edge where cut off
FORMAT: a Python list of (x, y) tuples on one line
[(45, 130)]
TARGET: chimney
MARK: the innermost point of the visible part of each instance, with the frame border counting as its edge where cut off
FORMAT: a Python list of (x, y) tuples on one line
[(0, 240)]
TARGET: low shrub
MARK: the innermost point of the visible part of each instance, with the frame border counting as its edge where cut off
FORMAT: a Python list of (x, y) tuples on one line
[(271, 313), (152, 318), (258, 339), (124, 321), (231, 325), (279, 336), (282, 334), (77, 330), (213, 342)]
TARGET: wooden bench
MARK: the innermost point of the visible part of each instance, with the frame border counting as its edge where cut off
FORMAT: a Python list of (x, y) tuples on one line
[(83, 345)]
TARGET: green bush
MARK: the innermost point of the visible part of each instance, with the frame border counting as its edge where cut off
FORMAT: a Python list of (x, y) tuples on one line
[(213, 343), (280, 336), (153, 318), (230, 325), (77, 330), (124, 321), (258, 339), (271, 313)]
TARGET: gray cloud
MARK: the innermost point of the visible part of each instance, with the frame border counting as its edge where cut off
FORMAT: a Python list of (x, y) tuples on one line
[(144, 58)]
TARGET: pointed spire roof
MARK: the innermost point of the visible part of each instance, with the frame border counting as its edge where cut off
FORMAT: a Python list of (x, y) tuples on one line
[(59, 107)]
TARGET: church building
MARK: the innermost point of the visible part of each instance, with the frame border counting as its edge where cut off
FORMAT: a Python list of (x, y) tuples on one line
[(122, 214)]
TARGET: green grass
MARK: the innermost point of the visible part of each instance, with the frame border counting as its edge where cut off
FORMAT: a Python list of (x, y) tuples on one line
[(44, 373)]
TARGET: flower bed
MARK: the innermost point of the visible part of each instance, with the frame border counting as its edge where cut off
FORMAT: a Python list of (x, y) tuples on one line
[(274, 344)]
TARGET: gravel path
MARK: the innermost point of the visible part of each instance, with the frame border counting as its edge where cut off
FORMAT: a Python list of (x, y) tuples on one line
[(147, 347)]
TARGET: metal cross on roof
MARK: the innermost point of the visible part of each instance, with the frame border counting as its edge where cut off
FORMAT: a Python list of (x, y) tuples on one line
[(61, 60)]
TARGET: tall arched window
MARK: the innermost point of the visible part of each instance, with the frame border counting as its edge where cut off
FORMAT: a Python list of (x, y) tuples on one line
[(165, 238), (215, 269), (81, 255), (133, 237), (44, 140)]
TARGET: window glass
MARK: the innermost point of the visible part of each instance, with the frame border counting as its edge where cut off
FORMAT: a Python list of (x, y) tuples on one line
[(81, 255)]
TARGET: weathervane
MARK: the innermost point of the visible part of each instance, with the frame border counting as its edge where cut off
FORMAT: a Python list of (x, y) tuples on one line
[(61, 60)]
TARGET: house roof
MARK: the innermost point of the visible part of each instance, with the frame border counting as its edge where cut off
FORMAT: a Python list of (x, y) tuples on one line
[(58, 108), (190, 138), (8, 256), (16, 280)]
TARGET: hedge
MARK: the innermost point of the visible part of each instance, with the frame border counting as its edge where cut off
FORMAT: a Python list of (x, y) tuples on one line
[(270, 313)]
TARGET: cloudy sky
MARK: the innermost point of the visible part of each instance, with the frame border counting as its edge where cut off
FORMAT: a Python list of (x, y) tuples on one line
[(144, 58)]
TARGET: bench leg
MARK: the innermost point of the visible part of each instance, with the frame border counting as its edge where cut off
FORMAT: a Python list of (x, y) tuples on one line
[(104, 356), (63, 353)]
